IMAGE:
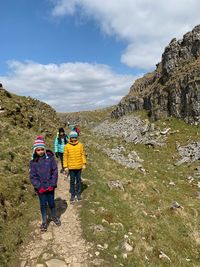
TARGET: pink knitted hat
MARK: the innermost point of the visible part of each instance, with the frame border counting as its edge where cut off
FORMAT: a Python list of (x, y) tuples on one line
[(39, 142)]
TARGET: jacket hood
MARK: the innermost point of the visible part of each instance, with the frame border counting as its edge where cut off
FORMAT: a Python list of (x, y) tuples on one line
[(73, 143), (48, 154)]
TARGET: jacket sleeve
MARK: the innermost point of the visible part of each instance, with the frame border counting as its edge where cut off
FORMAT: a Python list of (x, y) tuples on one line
[(65, 157), (83, 155), (56, 145), (35, 181), (54, 173)]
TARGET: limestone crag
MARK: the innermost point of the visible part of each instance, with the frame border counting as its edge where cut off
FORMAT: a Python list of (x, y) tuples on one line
[(181, 51), (173, 89)]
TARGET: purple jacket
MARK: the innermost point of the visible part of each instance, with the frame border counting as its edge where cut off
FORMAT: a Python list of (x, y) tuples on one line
[(43, 172)]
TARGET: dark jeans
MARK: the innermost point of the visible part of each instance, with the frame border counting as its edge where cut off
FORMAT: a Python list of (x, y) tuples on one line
[(61, 159), (75, 176), (47, 197)]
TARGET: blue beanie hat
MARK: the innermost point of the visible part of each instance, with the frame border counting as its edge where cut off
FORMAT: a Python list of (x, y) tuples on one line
[(73, 135)]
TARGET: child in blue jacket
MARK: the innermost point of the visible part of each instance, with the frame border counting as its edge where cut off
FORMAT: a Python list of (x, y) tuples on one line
[(59, 144), (44, 176)]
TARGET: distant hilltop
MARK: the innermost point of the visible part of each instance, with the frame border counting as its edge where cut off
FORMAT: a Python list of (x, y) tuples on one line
[(173, 89)]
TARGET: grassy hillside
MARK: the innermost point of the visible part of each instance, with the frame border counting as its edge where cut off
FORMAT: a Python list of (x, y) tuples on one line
[(21, 120), (85, 118), (141, 215)]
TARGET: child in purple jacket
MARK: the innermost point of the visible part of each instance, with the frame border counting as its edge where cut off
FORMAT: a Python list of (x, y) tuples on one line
[(44, 176)]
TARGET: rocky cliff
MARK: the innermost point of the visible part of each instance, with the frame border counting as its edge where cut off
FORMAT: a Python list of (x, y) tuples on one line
[(173, 89)]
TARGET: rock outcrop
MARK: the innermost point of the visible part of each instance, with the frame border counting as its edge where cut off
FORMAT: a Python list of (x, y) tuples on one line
[(133, 129), (173, 89), (189, 153)]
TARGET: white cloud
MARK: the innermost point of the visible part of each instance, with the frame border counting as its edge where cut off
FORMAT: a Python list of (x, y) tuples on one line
[(146, 25), (68, 86)]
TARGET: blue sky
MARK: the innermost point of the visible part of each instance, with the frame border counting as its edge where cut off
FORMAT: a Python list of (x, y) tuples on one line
[(85, 54), (29, 32)]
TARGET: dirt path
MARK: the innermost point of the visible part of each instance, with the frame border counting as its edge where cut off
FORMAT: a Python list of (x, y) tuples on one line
[(59, 246)]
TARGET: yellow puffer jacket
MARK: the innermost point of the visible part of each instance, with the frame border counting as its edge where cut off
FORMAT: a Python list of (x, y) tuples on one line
[(74, 156)]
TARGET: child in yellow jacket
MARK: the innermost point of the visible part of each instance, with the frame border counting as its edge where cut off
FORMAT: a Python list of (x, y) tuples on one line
[(74, 161)]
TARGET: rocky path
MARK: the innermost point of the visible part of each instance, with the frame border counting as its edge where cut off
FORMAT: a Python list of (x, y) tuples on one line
[(60, 246)]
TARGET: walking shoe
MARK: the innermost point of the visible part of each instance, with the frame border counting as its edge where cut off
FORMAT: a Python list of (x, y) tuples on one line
[(79, 197), (72, 199), (43, 227), (57, 221)]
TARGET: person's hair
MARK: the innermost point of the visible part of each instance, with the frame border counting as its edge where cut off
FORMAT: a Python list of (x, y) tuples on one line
[(59, 138), (35, 156)]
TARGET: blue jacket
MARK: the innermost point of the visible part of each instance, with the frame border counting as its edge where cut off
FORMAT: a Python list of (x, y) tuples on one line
[(43, 171), (59, 147)]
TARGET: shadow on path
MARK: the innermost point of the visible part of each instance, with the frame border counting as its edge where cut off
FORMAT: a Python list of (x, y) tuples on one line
[(61, 206), (83, 186)]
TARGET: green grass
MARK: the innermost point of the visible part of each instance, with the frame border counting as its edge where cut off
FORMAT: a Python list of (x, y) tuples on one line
[(22, 121), (144, 207), (19, 205)]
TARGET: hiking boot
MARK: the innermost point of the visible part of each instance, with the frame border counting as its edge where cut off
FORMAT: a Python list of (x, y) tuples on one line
[(72, 199), (65, 177), (79, 197), (57, 221), (43, 227)]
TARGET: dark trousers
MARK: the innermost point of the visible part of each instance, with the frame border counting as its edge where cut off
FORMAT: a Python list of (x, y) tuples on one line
[(61, 159), (47, 198), (75, 176)]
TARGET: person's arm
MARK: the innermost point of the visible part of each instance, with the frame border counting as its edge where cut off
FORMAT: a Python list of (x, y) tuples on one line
[(35, 181), (54, 173), (66, 138), (83, 155), (56, 145), (65, 157)]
